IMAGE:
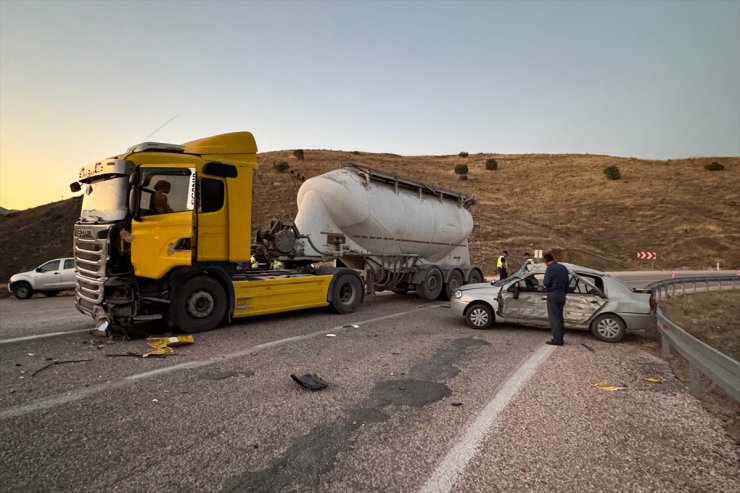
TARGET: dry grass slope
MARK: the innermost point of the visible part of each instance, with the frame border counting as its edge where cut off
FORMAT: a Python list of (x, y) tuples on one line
[(688, 215)]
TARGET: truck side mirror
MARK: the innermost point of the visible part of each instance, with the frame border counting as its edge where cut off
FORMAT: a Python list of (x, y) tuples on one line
[(75, 187)]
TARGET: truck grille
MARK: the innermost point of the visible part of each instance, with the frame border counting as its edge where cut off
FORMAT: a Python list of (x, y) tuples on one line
[(91, 257)]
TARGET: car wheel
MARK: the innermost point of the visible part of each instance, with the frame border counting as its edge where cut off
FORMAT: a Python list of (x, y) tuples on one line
[(22, 291), (432, 284), (608, 328), (479, 316), (346, 293), (453, 282), (475, 276), (199, 305), (50, 294)]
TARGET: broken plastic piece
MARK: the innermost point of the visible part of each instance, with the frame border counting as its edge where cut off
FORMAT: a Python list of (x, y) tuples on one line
[(654, 379), (309, 381), (607, 387), (331, 335), (156, 342), (351, 326), (159, 351)]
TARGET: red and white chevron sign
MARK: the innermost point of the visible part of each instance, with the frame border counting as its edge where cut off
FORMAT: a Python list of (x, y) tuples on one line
[(647, 255)]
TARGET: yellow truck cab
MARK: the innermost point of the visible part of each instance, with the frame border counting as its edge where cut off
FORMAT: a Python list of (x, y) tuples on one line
[(163, 230)]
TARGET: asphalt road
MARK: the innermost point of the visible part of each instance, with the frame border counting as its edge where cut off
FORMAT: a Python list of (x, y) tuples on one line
[(415, 401)]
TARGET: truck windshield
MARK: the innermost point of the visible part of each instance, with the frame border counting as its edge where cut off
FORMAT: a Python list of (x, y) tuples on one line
[(104, 199)]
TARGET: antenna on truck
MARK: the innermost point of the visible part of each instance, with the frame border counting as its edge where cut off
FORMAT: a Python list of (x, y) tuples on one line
[(161, 127)]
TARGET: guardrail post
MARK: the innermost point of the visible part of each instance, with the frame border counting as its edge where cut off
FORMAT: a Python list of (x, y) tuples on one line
[(665, 351), (694, 380)]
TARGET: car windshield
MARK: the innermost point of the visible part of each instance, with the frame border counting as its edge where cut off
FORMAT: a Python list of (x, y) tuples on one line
[(519, 274), (104, 199)]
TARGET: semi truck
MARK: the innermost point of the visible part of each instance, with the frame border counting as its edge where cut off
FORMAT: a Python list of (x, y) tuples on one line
[(165, 233)]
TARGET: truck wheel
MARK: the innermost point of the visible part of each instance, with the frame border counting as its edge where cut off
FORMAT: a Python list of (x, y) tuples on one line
[(346, 293), (22, 291), (50, 294), (432, 284), (199, 305), (475, 276), (453, 282), (608, 328)]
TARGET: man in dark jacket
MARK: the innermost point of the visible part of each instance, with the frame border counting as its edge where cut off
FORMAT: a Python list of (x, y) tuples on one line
[(556, 285)]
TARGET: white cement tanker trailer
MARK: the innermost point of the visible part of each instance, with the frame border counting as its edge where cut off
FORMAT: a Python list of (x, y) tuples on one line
[(405, 235)]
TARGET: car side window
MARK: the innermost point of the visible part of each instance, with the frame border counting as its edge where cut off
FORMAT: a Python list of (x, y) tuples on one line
[(578, 286), (49, 266), (532, 282), (69, 263)]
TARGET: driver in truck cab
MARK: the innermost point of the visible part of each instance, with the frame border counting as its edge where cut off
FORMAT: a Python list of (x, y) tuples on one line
[(158, 201)]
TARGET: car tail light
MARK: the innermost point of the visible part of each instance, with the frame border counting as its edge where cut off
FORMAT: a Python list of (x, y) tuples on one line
[(653, 302)]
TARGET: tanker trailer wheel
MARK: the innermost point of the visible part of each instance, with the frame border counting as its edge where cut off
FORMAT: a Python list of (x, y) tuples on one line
[(346, 293), (431, 286), (199, 305), (453, 282), (475, 277)]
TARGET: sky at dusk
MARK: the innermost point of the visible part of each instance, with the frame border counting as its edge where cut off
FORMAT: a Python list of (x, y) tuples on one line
[(81, 81)]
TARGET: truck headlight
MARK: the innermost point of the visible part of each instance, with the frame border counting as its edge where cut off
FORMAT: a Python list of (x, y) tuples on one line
[(457, 295)]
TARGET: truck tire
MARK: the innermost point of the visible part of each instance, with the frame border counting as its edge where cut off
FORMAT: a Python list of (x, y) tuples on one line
[(346, 293), (22, 291), (199, 305), (431, 286), (475, 277), (454, 281)]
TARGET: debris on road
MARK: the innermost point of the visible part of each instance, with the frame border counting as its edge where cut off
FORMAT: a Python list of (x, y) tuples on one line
[(351, 326), (309, 381), (654, 379), (58, 362), (161, 346), (126, 352), (607, 387), (456, 404), (331, 335)]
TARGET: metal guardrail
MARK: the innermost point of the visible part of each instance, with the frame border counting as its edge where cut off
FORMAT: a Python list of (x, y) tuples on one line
[(702, 358)]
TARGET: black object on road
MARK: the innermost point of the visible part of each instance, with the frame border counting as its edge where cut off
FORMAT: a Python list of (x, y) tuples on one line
[(309, 381)]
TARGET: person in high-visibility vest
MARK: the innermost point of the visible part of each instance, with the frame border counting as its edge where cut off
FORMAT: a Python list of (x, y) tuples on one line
[(503, 265), (528, 261)]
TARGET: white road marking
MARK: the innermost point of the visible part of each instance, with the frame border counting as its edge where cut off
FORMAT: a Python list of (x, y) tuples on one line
[(41, 336), (454, 463), (94, 389)]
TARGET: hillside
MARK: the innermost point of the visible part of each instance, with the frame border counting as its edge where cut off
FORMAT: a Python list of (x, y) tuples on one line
[(688, 215)]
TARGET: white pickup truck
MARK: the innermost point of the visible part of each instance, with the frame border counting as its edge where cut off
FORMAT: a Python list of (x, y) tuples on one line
[(48, 278)]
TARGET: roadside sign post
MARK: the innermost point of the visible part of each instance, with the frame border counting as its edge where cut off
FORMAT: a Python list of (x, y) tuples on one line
[(648, 256)]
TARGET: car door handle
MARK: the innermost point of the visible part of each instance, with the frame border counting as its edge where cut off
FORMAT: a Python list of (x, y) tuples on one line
[(543, 298)]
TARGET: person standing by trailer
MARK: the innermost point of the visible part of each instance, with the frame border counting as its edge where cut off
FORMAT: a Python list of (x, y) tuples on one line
[(556, 285), (502, 264)]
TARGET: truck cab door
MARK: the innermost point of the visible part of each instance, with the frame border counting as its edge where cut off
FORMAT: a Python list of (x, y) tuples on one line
[(582, 301), (212, 223), (520, 301)]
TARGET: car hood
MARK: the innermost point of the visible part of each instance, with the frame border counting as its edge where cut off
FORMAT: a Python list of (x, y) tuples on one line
[(21, 275), (482, 287)]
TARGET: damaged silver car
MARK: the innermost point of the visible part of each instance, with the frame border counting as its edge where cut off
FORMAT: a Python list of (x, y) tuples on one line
[(595, 301)]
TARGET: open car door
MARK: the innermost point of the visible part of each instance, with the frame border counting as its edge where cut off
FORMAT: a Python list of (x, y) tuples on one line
[(582, 301)]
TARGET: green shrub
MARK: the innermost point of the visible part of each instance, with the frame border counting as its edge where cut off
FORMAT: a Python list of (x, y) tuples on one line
[(281, 167), (461, 169), (298, 153), (463, 154), (491, 164), (715, 166), (612, 172)]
